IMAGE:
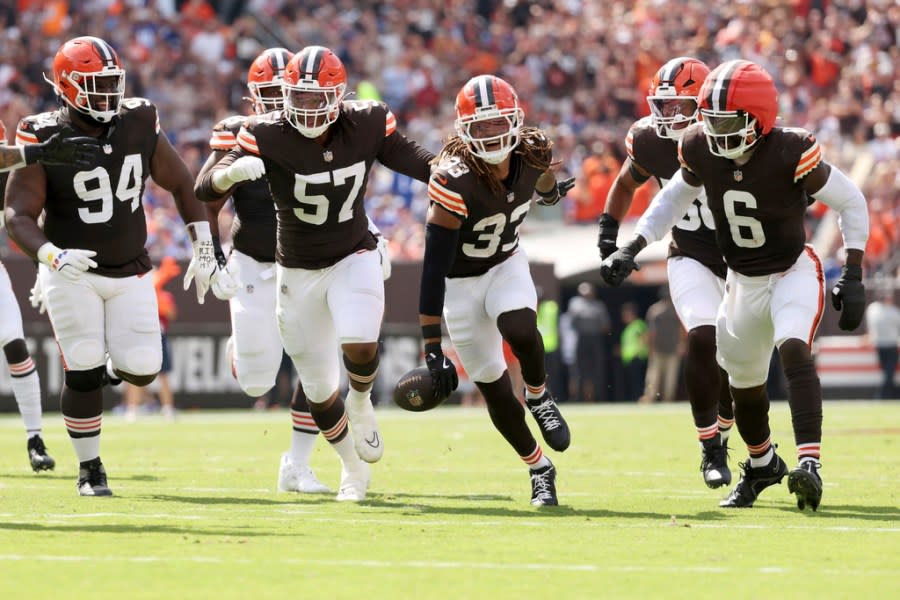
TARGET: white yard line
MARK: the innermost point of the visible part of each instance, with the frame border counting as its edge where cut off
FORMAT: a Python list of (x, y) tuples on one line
[(447, 565)]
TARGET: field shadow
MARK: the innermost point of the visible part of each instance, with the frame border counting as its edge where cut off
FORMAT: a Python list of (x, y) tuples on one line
[(211, 500), (889, 514), (388, 501), (74, 475), (137, 528)]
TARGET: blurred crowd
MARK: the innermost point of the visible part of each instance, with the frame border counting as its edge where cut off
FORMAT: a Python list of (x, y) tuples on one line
[(581, 69)]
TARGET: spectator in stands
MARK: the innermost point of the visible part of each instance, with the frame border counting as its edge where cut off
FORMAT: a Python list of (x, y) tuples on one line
[(883, 331)]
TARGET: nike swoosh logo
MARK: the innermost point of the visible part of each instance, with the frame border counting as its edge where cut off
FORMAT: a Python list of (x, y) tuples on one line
[(374, 442), (446, 364)]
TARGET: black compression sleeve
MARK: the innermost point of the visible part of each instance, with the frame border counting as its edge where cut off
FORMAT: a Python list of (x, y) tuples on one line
[(440, 251)]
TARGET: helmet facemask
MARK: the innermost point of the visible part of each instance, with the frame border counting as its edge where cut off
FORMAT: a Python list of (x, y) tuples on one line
[(97, 95), (266, 97), (311, 108), (730, 134), (492, 133), (671, 114)]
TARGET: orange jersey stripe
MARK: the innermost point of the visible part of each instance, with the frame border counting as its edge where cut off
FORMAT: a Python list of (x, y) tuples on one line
[(820, 277), (808, 162), (247, 141), (390, 125), (222, 140), (23, 137)]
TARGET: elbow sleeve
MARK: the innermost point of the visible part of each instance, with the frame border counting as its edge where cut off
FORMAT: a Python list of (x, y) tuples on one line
[(845, 197)]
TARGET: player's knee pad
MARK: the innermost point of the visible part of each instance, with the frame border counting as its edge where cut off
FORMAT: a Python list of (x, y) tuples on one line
[(16, 352), (141, 362), (85, 354), (86, 381), (487, 371)]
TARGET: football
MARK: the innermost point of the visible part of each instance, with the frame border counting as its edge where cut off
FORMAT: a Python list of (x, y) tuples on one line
[(414, 391)]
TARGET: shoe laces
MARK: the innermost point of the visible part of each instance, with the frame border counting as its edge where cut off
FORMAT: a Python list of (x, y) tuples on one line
[(547, 414), (541, 486)]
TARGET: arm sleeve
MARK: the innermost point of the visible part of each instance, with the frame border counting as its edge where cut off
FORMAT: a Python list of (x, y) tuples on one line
[(403, 155), (203, 188), (843, 196), (440, 251), (667, 207)]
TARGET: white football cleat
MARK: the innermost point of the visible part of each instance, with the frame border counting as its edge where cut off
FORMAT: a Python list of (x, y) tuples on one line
[(354, 483), (298, 478), (364, 429)]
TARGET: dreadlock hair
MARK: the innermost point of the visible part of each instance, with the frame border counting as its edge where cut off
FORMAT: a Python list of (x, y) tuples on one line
[(534, 148)]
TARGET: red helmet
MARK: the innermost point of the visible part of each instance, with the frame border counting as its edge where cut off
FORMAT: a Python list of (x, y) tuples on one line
[(266, 73), (314, 85), (488, 117), (738, 105), (673, 95), (87, 74)]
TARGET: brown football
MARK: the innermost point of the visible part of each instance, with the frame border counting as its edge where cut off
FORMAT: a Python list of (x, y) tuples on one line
[(414, 391)]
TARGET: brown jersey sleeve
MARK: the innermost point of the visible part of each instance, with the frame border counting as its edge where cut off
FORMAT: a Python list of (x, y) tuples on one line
[(810, 154)]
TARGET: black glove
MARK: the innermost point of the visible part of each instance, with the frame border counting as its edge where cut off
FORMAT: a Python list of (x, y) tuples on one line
[(556, 192), (619, 265), (443, 372), (609, 232), (81, 152), (849, 297)]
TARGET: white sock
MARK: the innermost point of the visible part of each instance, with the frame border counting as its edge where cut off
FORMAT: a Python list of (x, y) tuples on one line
[(27, 391), (301, 446), (347, 451), (534, 393), (542, 462), (725, 434), (358, 399), (763, 460), (87, 448)]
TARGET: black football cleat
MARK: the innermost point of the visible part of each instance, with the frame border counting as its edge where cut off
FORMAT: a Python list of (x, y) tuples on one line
[(805, 482), (37, 454), (714, 462), (92, 479), (543, 487), (553, 426), (753, 482)]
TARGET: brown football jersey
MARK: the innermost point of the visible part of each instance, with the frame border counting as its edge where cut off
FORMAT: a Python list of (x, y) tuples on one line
[(253, 227), (100, 209), (319, 190), (694, 235), (759, 207), (490, 219)]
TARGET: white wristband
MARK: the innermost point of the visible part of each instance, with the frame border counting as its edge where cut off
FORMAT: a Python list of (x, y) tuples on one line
[(199, 231), (48, 252), (221, 181)]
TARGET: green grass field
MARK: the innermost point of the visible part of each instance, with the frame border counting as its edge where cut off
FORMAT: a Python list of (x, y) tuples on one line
[(196, 514)]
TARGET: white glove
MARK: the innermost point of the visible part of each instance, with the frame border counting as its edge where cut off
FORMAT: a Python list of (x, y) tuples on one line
[(385, 255), (36, 297), (226, 281), (71, 263), (246, 168), (203, 263)]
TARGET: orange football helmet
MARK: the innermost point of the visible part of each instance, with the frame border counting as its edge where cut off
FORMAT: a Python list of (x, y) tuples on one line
[(738, 105), (674, 95), (87, 74), (265, 77), (315, 82), (488, 117)]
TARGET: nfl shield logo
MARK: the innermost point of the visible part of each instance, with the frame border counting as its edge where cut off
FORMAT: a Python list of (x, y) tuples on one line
[(328, 156), (107, 148), (510, 197), (738, 175)]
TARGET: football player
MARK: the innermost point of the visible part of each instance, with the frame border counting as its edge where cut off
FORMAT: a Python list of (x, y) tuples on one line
[(91, 248), (695, 266), (316, 154), (255, 346), (757, 178), (475, 274), (26, 385)]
